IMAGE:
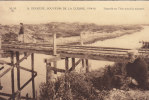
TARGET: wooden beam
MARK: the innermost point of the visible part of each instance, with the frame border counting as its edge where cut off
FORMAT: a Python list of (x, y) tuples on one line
[(33, 82), (4, 62), (54, 50), (26, 69), (1, 67), (57, 69), (55, 65), (66, 73), (20, 60), (71, 69), (12, 76), (18, 72), (66, 64), (94, 57), (52, 59), (5, 94), (87, 65), (83, 63), (49, 73), (47, 70), (25, 84), (73, 63), (5, 72)]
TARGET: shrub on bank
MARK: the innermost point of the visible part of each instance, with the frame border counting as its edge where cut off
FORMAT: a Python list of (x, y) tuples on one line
[(96, 84), (76, 87), (139, 71)]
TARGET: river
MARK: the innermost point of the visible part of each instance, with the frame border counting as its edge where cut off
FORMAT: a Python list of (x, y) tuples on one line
[(126, 41)]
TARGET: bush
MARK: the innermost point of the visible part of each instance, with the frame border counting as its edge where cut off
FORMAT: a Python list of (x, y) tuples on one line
[(76, 87), (111, 77), (94, 85), (138, 70)]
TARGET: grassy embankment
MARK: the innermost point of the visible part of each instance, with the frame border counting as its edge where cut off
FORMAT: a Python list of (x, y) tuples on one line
[(123, 81), (68, 33)]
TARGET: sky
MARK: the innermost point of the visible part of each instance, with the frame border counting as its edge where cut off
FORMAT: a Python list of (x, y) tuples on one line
[(98, 12)]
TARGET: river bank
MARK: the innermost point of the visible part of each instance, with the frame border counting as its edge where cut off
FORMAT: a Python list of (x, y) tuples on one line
[(67, 33)]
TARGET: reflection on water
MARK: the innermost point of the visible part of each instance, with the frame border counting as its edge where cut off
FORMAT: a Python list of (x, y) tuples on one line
[(127, 41)]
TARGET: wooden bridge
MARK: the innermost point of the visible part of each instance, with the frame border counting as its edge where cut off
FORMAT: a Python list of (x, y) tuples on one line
[(82, 53), (72, 51)]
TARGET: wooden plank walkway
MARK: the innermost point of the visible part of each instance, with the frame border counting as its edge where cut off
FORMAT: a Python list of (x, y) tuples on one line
[(73, 51)]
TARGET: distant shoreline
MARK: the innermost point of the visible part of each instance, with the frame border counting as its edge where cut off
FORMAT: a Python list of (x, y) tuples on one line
[(96, 37), (68, 33)]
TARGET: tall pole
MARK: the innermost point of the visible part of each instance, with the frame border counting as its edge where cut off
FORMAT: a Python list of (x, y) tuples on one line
[(54, 51), (18, 72), (87, 66), (84, 61), (48, 73), (81, 42), (33, 82), (67, 64), (66, 73), (73, 64), (12, 76)]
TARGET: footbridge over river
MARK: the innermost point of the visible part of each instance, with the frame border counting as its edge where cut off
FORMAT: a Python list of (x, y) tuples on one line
[(66, 52)]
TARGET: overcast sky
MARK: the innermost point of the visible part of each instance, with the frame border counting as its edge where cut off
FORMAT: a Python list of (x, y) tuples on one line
[(103, 13)]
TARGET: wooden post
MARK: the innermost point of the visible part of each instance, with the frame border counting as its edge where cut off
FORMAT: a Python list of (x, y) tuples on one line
[(81, 42), (55, 65), (67, 64), (12, 76), (36, 95), (54, 51), (33, 82), (18, 72), (87, 66), (73, 64), (83, 63), (66, 73), (49, 73)]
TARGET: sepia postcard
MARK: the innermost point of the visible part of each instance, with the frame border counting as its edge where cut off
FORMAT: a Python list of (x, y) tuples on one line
[(74, 50)]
